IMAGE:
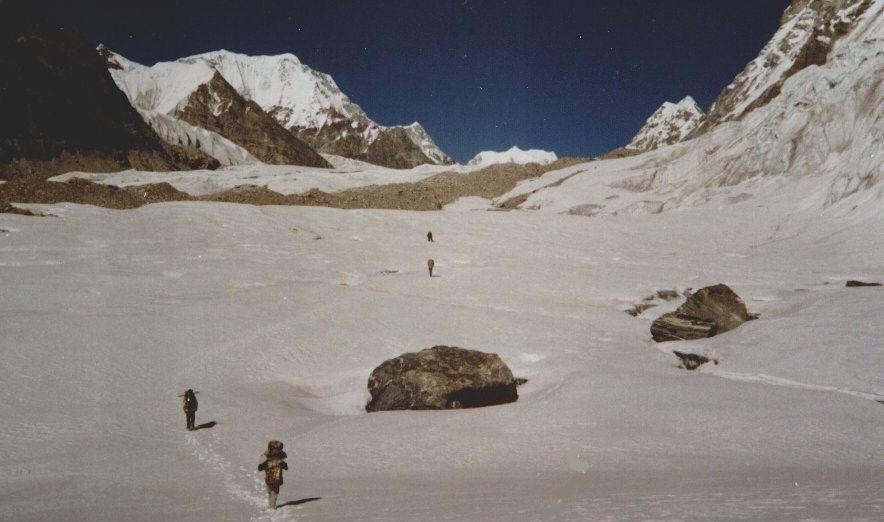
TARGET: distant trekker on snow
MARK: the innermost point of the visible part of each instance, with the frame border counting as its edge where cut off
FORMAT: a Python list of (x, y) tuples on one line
[(430, 237), (430, 265), (190, 406), (274, 463)]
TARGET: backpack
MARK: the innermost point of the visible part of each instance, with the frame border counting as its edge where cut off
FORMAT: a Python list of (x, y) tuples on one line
[(273, 476), (190, 403)]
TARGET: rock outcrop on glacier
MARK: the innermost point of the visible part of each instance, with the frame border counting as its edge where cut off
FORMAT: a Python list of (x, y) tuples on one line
[(514, 155), (61, 111), (670, 124), (441, 377), (708, 312), (306, 103)]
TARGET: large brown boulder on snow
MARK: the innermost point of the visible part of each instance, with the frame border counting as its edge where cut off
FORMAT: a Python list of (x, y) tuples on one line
[(708, 312), (441, 377)]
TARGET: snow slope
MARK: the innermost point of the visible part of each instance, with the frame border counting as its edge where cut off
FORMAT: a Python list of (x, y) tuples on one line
[(285, 179), (513, 155), (163, 88), (671, 123), (278, 314)]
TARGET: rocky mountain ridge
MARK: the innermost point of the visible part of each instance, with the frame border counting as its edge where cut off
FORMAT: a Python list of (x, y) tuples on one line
[(305, 102), (820, 137), (198, 95), (671, 123), (807, 35)]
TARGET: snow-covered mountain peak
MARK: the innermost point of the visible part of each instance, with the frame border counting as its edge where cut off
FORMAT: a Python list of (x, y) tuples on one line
[(807, 34), (310, 104), (224, 54), (296, 95), (686, 103), (305, 102), (671, 123), (163, 87), (514, 155)]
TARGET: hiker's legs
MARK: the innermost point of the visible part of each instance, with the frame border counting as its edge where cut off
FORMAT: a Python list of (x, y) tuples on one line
[(191, 419), (272, 494)]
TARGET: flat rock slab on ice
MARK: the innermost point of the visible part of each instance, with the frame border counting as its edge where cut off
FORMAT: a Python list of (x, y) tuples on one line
[(441, 377), (852, 283), (708, 312)]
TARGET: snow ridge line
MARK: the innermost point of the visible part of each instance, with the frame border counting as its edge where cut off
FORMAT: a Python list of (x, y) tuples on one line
[(787, 383)]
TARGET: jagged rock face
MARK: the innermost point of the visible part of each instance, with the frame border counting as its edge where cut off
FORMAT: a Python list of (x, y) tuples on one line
[(311, 106), (708, 312), (670, 124), (340, 136), (60, 109), (394, 148), (807, 34), (197, 140), (441, 377), (216, 106), (192, 157)]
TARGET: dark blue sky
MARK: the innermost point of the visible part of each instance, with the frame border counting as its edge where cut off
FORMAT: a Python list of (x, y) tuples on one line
[(575, 77)]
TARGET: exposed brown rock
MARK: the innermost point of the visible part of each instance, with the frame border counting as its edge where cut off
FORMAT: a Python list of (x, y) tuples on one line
[(854, 283), (218, 107), (340, 136), (639, 309), (194, 158), (621, 152), (441, 377), (6, 208), (88, 193), (428, 194), (692, 361), (708, 312), (668, 295), (393, 148), (61, 110)]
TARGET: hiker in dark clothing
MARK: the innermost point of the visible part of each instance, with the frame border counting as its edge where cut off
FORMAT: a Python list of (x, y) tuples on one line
[(430, 265), (190, 406), (430, 237), (274, 463)]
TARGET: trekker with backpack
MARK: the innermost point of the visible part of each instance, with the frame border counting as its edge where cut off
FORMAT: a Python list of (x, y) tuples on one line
[(190, 407), (274, 463)]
